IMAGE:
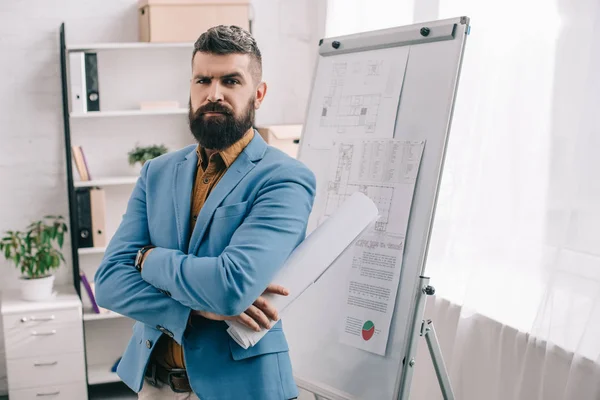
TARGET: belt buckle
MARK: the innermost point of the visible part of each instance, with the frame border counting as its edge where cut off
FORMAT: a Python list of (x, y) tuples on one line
[(177, 373)]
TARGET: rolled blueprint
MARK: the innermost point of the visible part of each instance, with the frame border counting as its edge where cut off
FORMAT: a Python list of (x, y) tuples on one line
[(311, 259)]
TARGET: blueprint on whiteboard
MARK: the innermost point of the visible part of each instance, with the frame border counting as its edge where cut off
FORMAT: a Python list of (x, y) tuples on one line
[(356, 95), (386, 171)]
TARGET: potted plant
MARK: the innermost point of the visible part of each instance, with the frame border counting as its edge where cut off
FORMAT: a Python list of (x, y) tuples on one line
[(140, 154), (34, 252)]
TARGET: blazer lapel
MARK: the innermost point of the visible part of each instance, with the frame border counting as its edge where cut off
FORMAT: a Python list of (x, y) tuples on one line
[(183, 183), (240, 167)]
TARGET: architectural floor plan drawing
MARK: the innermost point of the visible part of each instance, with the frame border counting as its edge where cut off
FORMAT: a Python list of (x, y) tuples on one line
[(356, 95), (386, 171), (374, 168), (341, 109)]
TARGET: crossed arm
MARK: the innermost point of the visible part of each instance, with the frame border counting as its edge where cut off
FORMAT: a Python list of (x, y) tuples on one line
[(218, 287)]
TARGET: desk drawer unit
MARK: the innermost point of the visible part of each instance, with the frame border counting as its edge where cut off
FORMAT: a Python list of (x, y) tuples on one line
[(43, 339), (62, 392), (44, 347), (45, 371)]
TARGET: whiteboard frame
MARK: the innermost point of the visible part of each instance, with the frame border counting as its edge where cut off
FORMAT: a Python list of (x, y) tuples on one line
[(440, 30)]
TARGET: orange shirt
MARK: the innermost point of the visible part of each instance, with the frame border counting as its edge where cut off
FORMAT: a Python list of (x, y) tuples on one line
[(168, 352)]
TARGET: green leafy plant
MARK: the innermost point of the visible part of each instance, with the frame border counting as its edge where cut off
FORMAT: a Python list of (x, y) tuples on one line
[(142, 154), (34, 251)]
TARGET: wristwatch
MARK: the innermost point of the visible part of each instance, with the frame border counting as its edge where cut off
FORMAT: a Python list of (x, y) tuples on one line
[(140, 256)]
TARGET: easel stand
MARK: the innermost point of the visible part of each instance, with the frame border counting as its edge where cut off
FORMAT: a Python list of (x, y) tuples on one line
[(438, 361), (426, 329)]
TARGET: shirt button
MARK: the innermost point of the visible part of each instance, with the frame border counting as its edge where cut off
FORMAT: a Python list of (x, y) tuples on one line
[(195, 217), (205, 180), (148, 343)]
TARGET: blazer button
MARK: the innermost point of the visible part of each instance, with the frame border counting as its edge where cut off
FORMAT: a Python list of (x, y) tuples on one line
[(148, 343)]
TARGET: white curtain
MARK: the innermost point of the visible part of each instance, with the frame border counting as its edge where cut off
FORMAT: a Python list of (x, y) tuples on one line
[(516, 240)]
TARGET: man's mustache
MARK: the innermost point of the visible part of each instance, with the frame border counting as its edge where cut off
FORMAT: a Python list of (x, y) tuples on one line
[(213, 107)]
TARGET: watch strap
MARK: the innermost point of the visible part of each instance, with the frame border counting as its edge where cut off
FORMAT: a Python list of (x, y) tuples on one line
[(140, 256)]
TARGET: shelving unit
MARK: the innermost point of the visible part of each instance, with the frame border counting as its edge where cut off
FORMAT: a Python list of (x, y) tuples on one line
[(106, 137), (130, 113), (101, 373), (128, 46), (89, 315), (123, 180), (91, 250)]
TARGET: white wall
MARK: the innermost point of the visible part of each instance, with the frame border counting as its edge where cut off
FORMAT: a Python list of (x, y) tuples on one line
[(32, 157)]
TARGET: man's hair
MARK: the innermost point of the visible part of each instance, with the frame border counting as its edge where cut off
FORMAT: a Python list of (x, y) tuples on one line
[(231, 39)]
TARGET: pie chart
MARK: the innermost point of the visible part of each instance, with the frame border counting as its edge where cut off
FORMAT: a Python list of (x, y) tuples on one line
[(368, 330)]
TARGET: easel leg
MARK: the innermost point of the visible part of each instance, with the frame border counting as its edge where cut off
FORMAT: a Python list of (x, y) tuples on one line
[(428, 331)]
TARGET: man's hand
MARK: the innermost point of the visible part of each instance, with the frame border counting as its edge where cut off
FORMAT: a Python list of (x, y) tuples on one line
[(260, 314)]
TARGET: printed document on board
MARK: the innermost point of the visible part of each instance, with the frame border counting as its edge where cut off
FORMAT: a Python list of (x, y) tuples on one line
[(386, 171), (356, 95)]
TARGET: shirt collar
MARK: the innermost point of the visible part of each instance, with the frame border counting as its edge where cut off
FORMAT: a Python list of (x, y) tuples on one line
[(230, 154)]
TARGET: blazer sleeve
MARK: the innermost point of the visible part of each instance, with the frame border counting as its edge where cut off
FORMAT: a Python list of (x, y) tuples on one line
[(230, 283), (119, 285)]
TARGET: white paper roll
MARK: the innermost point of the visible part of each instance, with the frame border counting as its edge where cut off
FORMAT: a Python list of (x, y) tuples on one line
[(312, 258)]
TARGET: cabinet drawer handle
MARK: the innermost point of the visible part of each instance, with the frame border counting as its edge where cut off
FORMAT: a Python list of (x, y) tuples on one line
[(45, 364), (25, 319), (52, 332), (48, 393)]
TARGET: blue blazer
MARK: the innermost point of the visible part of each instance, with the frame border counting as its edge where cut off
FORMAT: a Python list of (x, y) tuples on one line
[(252, 220)]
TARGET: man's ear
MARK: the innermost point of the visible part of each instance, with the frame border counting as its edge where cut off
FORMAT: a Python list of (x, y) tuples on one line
[(261, 92)]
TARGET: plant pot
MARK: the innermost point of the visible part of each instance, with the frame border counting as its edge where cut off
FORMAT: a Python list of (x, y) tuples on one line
[(37, 289)]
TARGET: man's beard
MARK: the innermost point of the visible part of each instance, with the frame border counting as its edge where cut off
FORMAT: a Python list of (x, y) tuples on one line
[(220, 132)]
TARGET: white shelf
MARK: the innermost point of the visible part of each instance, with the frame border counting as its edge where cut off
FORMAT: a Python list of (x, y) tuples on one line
[(129, 46), (123, 180), (91, 250), (98, 374), (89, 315), (129, 113)]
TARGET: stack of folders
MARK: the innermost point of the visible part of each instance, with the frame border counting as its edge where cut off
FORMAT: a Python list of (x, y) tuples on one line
[(91, 217)]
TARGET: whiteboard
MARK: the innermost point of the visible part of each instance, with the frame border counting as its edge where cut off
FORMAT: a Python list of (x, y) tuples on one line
[(321, 363)]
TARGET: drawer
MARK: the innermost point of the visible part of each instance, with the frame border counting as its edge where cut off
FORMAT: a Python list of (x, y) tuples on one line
[(43, 340), (45, 371), (37, 319), (74, 391)]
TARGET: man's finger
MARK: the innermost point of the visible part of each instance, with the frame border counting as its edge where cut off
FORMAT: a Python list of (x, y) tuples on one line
[(263, 305), (248, 321), (259, 316), (277, 289)]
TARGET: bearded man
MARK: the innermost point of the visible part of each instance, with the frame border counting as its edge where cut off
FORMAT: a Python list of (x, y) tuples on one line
[(206, 229)]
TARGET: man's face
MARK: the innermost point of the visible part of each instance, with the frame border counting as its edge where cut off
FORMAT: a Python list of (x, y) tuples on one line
[(223, 98)]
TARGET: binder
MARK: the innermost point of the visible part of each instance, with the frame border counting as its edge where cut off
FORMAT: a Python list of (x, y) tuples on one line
[(91, 82), (90, 292), (80, 163), (77, 82), (84, 218), (98, 213)]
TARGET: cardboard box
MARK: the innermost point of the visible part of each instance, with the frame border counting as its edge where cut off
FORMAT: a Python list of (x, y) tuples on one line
[(162, 21), (283, 137)]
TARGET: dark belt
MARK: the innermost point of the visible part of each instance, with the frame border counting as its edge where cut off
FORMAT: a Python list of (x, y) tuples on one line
[(176, 378)]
